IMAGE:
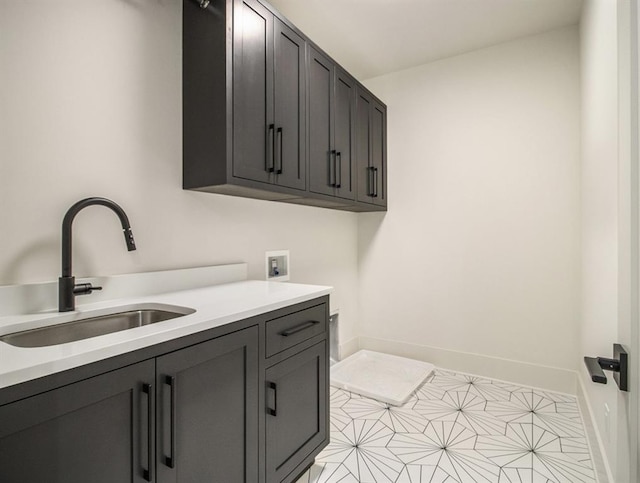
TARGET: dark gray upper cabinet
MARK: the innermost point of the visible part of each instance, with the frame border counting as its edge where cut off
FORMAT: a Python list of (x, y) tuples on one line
[(252, 104), (268, 98), (244, 118), (266, 114), (321, 113), (95, 430), (345, 95), (290, 109), (371, 149), (332, 101)]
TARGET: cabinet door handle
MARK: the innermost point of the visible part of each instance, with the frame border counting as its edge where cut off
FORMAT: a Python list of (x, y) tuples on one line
[(148, 472), (371, 180), (375, 182), (338, 170), (270, 149), (273, 411), (298, 328), (332, 166), (280, 136), (170, 461)]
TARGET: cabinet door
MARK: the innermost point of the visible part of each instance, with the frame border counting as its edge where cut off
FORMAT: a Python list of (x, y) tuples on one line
[(365, 174), (297, 410), (322, 161), (344, 145), (95, 430), (207, 408), (379, 152), (371, 150), (289, 107), (253, 135)]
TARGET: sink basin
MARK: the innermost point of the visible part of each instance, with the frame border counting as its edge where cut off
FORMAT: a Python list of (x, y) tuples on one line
[(88, 327)]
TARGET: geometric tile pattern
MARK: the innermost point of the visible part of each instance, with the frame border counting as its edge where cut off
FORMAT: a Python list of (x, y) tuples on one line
[(456, 428)]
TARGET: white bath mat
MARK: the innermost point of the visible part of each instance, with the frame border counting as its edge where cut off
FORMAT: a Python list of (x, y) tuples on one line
[(387, 378)]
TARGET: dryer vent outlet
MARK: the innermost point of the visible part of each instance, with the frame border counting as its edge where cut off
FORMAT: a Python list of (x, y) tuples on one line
[(277, 266)]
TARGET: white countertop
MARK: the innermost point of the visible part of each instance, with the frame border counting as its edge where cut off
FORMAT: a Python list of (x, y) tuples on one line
[(214, 306)]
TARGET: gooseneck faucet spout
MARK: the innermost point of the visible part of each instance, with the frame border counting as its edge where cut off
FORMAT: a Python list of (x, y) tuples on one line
[(67, 288)]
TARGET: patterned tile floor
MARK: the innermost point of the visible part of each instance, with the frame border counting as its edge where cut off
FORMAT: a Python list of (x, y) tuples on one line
[(456, 428)]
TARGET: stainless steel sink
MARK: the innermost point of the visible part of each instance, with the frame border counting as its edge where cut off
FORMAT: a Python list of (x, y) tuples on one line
[(90, 327)]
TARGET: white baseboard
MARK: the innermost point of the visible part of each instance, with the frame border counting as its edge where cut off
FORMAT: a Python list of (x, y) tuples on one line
[(543, 377), (598, 453), (350, 347)]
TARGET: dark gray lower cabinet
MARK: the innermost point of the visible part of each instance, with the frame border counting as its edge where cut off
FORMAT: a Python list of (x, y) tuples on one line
[(102, 429), (207, 411), (297, 411), (192, 411), (96, 430)]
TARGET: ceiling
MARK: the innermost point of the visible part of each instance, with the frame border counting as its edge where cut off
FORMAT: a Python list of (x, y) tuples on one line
[(374, 37)]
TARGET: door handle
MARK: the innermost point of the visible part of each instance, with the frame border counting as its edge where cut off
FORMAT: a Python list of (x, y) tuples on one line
[(170, 461), (375, 182), (280, 136), (332, 164), (273, 411), (270, 149), (147, 472), (619, 365), (371, 181), (338, 170)]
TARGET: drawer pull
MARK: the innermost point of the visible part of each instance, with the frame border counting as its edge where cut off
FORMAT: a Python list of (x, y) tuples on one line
[(298, 328)]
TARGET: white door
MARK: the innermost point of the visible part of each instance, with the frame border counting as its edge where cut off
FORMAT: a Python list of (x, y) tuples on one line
[(610, 220), (634, 329), (628, 409)]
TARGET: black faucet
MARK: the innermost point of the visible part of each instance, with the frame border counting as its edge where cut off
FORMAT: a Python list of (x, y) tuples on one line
[(67, 287)]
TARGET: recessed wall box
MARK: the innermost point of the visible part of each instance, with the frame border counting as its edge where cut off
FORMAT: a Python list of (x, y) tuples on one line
[(277, 266)]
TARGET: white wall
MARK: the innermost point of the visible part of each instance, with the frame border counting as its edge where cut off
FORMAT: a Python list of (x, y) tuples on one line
[(479, 251), (90, 105)]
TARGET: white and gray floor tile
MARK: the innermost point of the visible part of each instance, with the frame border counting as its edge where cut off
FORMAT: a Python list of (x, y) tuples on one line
[(456, 428)]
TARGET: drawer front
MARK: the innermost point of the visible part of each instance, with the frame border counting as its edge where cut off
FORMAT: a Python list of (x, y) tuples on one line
[(287, 331)]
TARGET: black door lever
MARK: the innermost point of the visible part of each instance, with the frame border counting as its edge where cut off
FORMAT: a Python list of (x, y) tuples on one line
[(618, 365)]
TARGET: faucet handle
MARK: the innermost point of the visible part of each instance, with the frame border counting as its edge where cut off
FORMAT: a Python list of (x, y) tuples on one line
[(84, 288)]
